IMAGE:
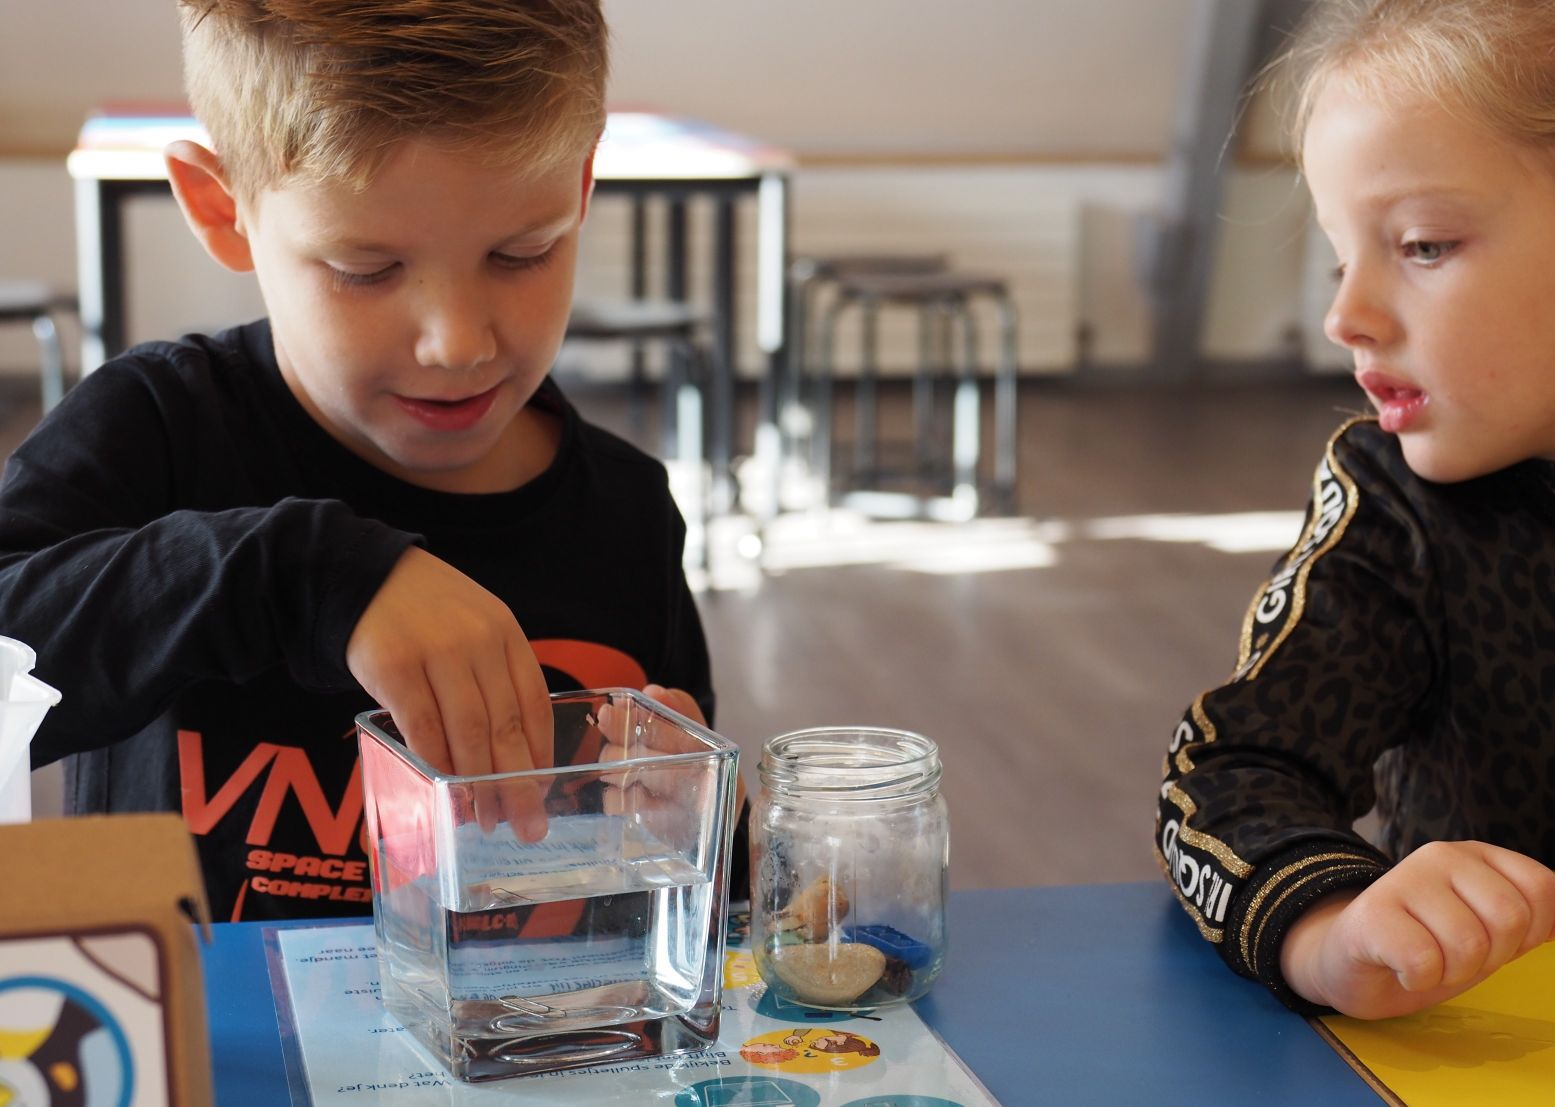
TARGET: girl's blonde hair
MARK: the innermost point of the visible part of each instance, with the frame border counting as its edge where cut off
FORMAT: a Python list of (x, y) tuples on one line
[(1492, 61), (323, 89)]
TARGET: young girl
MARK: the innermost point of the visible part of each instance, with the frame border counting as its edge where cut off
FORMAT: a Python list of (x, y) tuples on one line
[(1403, 653)]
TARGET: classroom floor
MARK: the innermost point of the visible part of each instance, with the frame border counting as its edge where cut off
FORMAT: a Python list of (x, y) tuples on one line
[(1049, 654)]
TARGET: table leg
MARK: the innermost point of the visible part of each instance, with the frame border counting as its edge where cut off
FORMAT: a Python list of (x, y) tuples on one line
[(772, 289), (780, 403), (725, 352), (675, 239), (638, 290), (639, 247), (99, 270)]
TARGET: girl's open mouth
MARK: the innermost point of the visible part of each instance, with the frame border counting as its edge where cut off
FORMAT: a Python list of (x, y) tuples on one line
[(1398, 404)]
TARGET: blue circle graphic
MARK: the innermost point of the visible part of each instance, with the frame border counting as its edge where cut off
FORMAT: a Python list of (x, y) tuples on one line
[(96, 1008), (748, 1091), (903, 1101)]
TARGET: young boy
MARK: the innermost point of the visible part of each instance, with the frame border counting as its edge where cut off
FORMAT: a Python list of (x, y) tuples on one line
[(1404, 651), (226, 547)]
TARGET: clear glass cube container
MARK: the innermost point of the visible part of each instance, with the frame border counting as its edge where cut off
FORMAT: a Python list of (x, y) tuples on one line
[(510, 944)]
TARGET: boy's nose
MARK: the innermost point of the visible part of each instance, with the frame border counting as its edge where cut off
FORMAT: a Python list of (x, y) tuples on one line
[(458, 335), (1357, 316)]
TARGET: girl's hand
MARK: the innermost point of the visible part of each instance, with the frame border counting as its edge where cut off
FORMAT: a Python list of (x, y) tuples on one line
[(1439, 922)]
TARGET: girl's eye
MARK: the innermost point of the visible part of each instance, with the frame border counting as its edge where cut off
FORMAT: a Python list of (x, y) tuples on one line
[(345, 278), (533, 261), (1428, 252)]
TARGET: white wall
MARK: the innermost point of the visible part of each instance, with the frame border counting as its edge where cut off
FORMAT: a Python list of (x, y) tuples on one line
[(1066, 98), (1065, 77)]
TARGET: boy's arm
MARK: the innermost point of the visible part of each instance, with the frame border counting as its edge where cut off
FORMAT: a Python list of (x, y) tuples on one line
[(127, 598), (1266, 774), (123, 619)]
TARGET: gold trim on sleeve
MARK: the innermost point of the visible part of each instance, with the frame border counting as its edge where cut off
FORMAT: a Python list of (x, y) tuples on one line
[(1252, 913), (1199, 840), (1298, 592)]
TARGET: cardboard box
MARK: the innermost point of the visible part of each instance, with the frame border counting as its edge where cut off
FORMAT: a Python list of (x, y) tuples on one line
[(100, 987)]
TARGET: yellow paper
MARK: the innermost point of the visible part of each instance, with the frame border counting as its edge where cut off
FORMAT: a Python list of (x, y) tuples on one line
[(1494, 1043)]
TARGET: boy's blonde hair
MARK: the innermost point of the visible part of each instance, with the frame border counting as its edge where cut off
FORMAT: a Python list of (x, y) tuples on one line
[(322, 89), (1492, 61)]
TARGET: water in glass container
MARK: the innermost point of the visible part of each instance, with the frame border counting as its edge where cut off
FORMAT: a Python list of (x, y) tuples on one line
[(600, 942)]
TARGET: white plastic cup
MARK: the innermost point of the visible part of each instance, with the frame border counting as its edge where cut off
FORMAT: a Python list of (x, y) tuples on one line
[(27, 700)]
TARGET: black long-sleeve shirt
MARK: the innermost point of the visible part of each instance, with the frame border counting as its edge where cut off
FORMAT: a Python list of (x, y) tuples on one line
[(189, 552), (1402, 653)]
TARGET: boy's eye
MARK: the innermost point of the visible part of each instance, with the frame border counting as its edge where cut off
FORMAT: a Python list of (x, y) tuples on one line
[(1428, 252), (347, 277), (533, 261)]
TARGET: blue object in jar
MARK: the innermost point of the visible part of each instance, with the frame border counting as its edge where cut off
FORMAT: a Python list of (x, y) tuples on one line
[(891, 942)]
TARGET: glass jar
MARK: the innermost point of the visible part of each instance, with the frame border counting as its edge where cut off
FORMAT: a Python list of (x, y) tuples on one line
[(850, 850)]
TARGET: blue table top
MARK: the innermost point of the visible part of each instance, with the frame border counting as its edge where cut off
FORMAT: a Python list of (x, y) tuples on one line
[(1100, 994)]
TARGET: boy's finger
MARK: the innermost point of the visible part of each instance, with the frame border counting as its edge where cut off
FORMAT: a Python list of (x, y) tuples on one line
[(628, 795), (487, 797), (465, 722), (654, 738), (523, 804), (534, 701), (468, 731), (508, 743), (611, 723), (678, 700), (515, 743), (413, 707), (522, 801)]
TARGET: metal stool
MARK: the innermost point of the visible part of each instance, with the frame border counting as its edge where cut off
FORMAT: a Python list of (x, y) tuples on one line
[(791, 481), (689, 379), (808, 277), (941, 299), (27, 302)]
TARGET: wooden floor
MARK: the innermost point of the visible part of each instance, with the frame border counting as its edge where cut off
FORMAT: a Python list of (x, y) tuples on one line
[(1052, 664)]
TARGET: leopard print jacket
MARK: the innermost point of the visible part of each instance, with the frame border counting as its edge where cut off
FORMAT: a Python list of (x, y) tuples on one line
[(1402, 654)]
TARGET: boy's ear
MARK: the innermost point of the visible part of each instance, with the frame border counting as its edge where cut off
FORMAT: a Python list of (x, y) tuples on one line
[(208, 204), (588, 182)]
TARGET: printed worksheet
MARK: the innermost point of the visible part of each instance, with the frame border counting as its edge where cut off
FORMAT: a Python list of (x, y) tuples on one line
[(342, 1047)]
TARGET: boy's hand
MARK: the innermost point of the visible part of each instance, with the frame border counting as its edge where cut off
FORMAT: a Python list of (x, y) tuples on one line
[(676, 700), (449, 662), (1438, 923), (648, 791)]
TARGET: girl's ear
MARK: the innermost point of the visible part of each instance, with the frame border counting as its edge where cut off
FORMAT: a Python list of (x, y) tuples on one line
[(208, 204)]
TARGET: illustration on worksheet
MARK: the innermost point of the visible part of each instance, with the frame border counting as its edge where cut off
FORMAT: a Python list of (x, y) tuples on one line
[(808, 1049)]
